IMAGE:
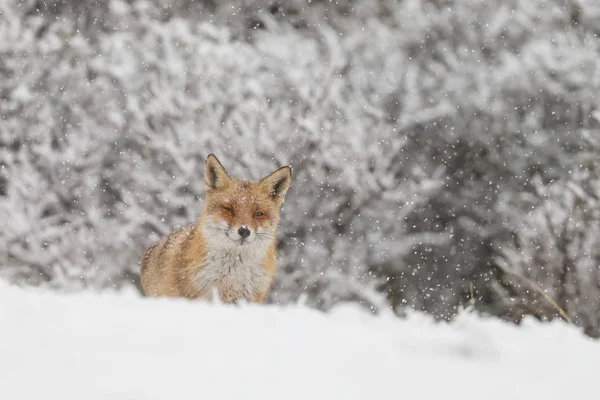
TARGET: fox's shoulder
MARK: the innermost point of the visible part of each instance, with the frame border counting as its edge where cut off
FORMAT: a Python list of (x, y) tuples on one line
[(175, 236), (173, 239)]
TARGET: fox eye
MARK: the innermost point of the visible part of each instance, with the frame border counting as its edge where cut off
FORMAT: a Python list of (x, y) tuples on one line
[(259, 213), (228, 209)]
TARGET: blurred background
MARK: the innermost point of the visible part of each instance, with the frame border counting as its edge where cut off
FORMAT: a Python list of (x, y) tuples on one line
[(444, 153)]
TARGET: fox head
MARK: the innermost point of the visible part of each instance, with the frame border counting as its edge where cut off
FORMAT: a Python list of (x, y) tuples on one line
[(239, 211)]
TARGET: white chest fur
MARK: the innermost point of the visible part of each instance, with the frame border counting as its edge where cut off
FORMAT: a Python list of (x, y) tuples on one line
[(236, 272)]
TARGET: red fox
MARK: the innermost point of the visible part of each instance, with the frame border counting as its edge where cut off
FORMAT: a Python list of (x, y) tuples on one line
[(231, 251)]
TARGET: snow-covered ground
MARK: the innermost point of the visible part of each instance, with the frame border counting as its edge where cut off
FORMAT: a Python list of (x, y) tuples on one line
[(123, 347)]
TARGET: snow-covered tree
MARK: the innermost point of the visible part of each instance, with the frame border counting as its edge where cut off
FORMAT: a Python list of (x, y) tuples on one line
[(554, 267), (409, 126)]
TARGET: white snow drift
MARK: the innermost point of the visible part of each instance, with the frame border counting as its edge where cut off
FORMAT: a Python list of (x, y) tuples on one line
[(122, 347)]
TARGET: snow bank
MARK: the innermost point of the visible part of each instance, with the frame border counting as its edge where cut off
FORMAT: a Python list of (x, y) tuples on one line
[(116, 346)]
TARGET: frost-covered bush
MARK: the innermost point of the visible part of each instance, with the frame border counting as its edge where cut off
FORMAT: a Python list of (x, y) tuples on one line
[(118, 129), (409, 126), (557, 228)]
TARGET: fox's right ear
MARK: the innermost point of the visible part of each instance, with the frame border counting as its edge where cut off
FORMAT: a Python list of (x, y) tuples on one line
[(215, 175)]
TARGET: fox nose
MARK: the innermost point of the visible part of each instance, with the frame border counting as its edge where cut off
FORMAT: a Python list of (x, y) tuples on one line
[(244, 232)]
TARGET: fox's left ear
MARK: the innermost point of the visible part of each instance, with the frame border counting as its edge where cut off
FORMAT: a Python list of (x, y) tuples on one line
[(278, 183)]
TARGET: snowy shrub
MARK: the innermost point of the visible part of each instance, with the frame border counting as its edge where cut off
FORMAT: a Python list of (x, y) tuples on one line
[(116, 155), (556, 232), (410, 127)]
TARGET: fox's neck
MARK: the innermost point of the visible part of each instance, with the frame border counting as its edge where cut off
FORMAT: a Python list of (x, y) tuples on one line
[(235, 271), (246, 253)]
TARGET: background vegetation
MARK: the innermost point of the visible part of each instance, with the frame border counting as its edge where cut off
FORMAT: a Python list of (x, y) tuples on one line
[(439, 148)]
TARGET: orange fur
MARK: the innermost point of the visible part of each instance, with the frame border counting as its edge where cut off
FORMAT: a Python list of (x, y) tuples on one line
[(196, 260)]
